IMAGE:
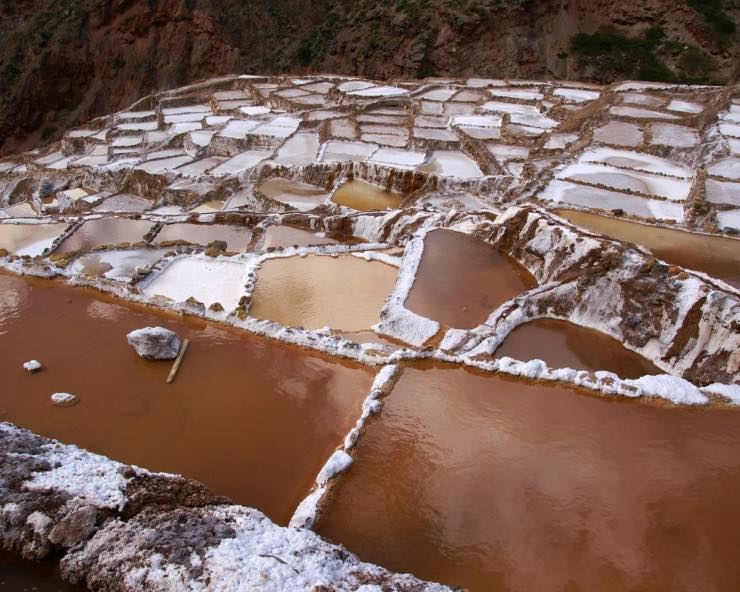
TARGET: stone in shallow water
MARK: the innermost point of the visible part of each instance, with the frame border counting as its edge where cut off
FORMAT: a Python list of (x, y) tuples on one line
[(155, 343), (32, 366), (64, 399)]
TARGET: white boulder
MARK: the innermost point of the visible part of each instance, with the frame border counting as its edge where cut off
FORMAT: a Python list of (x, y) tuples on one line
[(155, 343)]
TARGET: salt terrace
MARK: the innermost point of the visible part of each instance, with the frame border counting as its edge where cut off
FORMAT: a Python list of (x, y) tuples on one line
[(409, 303)]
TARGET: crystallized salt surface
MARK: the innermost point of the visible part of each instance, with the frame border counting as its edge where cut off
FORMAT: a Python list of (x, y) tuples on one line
[(127, 141), (730, 129), (186, 117), (476, 120), (354, 85), (123, 202), (684, 107), (186, 109), (439, 94), (672, 388), (162, 165), (115, 265), (593, 197), (199, 167), (512, 108), (428, 133), (559, 141), (623, 179), (241, 162), (636, 160), (379, 91), (676, 136), (730, 392), (280, 127), (728, 168), (723, 192), (31, 240), (238, 128), (403, 159), (205, 279), (576, 95), (729, 219), (505, 152), (338, 151), (638, 113), (517, 93), (299, 150), (141, 126), (451, 164)]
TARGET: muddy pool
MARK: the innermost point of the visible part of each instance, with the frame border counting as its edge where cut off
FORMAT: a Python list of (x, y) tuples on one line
[(365, 197), (499, 484), (252, 419), (105, 231)]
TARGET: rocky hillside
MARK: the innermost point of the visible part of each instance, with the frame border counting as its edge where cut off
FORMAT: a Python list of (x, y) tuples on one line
[(65, 61)]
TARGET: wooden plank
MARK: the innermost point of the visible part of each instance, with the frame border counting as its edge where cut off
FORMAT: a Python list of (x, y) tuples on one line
[(178, 360)]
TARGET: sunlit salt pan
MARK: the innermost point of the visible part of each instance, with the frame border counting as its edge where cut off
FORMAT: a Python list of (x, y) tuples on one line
[(723, 192), (302, 196), (205, 279), (523, 94), (238, 128), (636, 160), (280, 127), (402, 159), (355, 85), (576, 95), (621, 179), (255, 110), (199, 167), (162, 165), (142, 126), (677, 136), (186, 117), (505, 152), (730, 129), (338, 151), (186, 109), (592, 197), (432, 133), (729, 218), (241, 162), (637, 113), (379, 91), (451, 164), (299, 150), (511, 108), (184, 127), (619, 133), (123, 202), (476, 120), (127, 141), (728, 168), (439, 94), (202, 138), (684, 107)]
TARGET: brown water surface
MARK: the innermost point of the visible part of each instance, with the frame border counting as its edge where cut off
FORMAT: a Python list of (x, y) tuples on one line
[(252, 419), (565, 345), (29, 239), (105, 231), (502, 485), (17, 575), (345, 293), (236, 237), (301, 196), (290, 236), (715, 255), (365, 197), (461, 280)]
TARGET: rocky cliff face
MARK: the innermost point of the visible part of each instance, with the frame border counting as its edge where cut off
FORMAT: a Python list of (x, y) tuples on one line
[(65, 62)]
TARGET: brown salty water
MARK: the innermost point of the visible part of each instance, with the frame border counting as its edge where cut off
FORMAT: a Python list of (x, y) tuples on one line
[(714, 255), (302, 196), (565, 345), (280, 237), (345, 293), (29, 239), (17, 575), (461, 280), (365, 197), (105, 231), (250, 418), (236, 237), (502, 485)]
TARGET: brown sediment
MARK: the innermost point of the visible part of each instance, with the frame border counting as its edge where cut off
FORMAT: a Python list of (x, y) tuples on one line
[(280, 237), (345, 293), (105, 231), (461, 280), (236, 237), (365, 197), (714, 255), (565, 345), (251, 419), (500, 484), (18, 575)]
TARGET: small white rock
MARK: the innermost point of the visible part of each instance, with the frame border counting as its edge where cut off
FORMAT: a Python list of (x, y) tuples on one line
[(64, 399), (32, 366)]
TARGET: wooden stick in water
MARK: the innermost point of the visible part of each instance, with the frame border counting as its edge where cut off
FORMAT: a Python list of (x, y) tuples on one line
[(176, 365)]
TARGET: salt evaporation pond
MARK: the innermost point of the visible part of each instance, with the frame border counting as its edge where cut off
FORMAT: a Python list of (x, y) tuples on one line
[(117, 265), (105, 231), (345, 293), (280, 237), (461, 280), (236, 237), (714, 255), (565, 345), (18, 575), (365, 197), (252, 419), (499, 484), (302, 196), (29, 239), (207, 280)]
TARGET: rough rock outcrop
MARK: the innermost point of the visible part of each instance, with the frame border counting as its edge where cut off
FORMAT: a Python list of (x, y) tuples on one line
[(155, 343)]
